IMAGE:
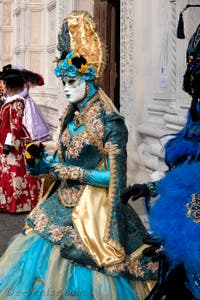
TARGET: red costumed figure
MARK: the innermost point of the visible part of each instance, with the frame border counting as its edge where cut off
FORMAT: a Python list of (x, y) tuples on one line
[(1, 94), (18, 190)]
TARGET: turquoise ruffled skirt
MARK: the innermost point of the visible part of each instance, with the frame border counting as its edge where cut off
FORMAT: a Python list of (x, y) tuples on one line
[(32, 268)]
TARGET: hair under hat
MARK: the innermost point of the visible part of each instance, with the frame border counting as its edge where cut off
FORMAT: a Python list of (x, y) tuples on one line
[(13, 79)]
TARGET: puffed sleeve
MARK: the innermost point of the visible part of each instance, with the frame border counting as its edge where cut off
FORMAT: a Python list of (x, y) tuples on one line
[(15, 126)]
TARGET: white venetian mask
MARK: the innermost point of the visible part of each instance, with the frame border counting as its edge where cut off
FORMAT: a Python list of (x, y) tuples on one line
[(75, 88)]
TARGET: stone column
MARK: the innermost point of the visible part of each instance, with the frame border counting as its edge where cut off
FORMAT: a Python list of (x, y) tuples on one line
[(152, 67), (6, 32)]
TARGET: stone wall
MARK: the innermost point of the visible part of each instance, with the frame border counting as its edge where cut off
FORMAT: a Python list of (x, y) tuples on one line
[(152, 68), (28, 37), (6, 31)]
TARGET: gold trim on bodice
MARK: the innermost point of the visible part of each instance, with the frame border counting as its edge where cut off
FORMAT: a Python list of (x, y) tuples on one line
[(93, 212)]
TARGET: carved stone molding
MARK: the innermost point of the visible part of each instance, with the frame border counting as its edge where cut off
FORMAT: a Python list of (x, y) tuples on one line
[(6, 32), (51, 5), (127, 94), (150, 69)]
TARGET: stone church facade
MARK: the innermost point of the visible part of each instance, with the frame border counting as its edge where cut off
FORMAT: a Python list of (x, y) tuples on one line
[(28, 36), (151, 60)]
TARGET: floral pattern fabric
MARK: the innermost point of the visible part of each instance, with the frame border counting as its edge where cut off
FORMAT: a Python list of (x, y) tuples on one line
[(18, 190)]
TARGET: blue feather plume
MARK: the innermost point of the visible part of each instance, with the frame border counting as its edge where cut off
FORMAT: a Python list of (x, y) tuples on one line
[(64, 39)]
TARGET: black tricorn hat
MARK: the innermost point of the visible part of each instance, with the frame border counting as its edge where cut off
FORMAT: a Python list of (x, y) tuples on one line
[(8, 73), (33, 78), (12, 78), (30, 76)]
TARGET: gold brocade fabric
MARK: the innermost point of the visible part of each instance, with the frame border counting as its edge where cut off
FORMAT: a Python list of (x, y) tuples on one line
[(85, 40), (142, 288), (89, 217), (47, 186)]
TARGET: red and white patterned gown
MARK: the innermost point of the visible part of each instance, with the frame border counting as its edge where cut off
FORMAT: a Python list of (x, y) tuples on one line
[(18, 190)]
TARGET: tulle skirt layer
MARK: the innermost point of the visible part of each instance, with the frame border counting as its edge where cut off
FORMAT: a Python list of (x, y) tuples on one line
[(32, 268)]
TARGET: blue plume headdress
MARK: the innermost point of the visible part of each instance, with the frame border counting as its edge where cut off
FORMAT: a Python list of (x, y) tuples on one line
[(64, 38)]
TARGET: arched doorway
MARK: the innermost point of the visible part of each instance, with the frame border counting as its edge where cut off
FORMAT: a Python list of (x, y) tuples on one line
[(107, 17)]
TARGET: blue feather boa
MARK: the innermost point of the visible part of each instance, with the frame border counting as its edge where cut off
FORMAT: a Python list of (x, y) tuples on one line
[(168, 220), (180, 147), (186, 142)]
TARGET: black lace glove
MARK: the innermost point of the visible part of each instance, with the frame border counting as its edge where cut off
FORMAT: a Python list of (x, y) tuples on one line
[(134, 192)]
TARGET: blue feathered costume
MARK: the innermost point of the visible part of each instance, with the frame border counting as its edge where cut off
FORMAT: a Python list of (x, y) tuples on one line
[(175, 217)]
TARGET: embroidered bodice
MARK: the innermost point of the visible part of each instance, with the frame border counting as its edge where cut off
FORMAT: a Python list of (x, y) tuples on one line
[(93, 153)]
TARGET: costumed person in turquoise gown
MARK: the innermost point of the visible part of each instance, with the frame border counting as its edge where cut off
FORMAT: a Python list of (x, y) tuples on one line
[(80, 241), (175, 215)]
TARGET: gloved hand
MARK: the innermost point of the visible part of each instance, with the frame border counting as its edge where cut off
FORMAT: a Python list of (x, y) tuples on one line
[(42, 169), (33, 153), (135, 191), (155, 248), (57, 171), (7, 149)]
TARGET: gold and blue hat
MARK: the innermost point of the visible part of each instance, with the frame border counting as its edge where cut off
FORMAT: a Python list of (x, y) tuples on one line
[(82, 50)]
